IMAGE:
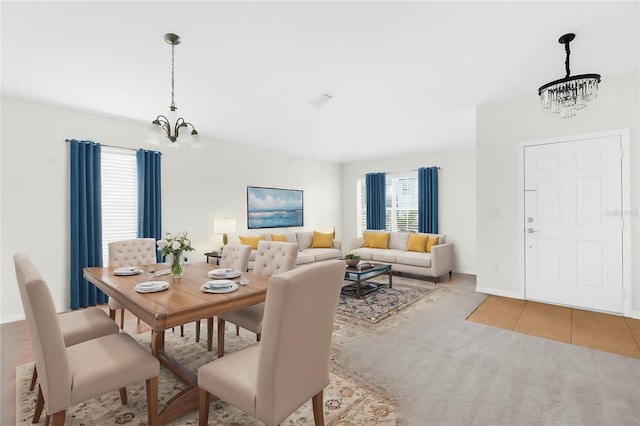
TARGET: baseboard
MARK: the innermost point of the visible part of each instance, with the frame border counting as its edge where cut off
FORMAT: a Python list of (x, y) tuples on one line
[(635, 314), (465, 271), (11, 318), (495, 292)]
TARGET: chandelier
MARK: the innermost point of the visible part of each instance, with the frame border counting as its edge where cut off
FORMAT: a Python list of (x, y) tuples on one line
[(170, 126), (571, 93)]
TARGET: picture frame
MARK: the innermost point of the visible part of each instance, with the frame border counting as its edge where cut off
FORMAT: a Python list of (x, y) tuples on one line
[(274, 207)]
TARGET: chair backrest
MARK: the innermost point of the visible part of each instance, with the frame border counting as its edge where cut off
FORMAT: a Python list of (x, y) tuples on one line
[(134, 252), (235, 256), (273, 257), (293, 363), (46, 337)]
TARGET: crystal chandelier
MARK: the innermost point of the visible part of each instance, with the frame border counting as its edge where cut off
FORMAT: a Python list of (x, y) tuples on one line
[(570, 93), (168, 129)]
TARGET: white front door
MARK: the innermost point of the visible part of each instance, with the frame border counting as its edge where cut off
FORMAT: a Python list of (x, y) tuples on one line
[(573, 223)]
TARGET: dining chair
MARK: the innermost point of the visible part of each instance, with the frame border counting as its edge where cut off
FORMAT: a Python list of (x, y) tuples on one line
[(133, 252), (233, 256), (76, 326), (274, 377), (272, 257), (70, 375)]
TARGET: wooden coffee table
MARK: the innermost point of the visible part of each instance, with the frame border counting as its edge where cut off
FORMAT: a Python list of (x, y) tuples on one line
[(359, 276)]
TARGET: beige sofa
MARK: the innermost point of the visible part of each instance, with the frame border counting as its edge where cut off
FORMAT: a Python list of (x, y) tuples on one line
[(435, 264), (306, 254)]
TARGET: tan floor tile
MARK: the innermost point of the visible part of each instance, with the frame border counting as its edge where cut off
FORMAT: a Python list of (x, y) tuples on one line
[(560, 334), (609, 343), (596, 322), (547, 315), (493, 320), (502, 306), (634, 326)]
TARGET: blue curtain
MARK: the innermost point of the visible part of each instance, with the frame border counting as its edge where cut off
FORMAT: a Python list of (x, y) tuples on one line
[(149, 196), (428, 199), (376, 200), (86, 220)]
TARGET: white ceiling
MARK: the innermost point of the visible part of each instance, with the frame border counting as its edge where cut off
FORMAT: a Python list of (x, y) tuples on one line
[(406, 76)]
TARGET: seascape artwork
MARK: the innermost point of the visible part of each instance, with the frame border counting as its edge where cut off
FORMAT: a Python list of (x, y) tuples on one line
[(274, 207)]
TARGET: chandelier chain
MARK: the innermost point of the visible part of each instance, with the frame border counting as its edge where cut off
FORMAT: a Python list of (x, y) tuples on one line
[(173, 104), (566, 61)]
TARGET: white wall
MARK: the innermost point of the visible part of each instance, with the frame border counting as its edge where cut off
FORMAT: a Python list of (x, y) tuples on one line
[(199, 185), (456, 193), (500, 127)]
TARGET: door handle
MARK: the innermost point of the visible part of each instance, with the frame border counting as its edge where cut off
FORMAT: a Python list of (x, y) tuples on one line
[(531, 230)]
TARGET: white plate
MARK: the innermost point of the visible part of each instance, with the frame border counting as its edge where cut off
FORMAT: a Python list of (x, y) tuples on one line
[(224, 273), (127, 270), (151, 286), (219, 290), (218, 284)]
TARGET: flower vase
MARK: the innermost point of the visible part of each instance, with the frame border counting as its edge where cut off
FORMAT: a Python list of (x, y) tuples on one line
[(177, 266)]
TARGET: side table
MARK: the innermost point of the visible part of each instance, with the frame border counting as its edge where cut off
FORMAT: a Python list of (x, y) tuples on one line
[(215, 255)]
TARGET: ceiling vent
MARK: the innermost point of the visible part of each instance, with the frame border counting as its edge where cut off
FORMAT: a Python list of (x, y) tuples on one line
[(321, 100)]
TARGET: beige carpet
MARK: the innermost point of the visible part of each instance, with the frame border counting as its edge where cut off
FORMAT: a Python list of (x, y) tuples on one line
[(346, 402)]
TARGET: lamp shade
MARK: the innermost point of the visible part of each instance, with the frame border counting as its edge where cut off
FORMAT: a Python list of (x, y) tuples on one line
[(224, 226)]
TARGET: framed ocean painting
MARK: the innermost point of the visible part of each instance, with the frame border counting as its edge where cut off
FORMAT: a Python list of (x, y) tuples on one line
[(274, 207)]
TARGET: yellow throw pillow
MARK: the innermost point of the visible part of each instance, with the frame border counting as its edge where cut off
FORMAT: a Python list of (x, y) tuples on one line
[(251, 241), (367, 239), (417, 242), (321, 240), (380, 240), (433, 241), (279, 237)]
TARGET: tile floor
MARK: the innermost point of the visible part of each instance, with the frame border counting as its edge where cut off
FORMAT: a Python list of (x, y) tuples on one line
[(609, 333)]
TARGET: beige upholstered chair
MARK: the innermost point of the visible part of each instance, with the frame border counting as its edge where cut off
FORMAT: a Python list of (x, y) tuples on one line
[(69, 375), (273, 378), (134, 252), (234, 256), (272, 257), (76, 326)]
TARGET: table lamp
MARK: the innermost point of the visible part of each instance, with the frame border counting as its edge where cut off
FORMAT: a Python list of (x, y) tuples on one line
[(224, 227)]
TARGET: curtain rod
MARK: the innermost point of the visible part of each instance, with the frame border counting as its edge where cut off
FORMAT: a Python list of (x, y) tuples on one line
[(114, 146)]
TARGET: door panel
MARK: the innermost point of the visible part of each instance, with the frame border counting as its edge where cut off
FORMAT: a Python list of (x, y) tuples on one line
[(573, 232)]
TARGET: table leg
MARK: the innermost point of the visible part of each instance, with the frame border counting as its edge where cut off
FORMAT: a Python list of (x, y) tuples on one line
[(390, 280), (358, 290)]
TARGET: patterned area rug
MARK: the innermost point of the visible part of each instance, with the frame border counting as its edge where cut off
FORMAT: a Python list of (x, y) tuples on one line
[(346, 402), (383, 303)]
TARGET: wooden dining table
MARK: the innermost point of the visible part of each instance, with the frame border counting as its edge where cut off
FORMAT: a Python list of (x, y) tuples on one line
[(183, 302)]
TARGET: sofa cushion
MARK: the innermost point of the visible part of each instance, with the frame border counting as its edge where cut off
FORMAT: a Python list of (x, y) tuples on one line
[(304, 239), (251, 240), (322, 240), (323, 253), (417, 242), (388, 255), (304, 258), (368, 233), (414, 258), (399, 240), (380, 241), (365, 253), (433, 241)]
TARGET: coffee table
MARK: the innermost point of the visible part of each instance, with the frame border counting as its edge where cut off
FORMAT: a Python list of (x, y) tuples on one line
[(359, 276)]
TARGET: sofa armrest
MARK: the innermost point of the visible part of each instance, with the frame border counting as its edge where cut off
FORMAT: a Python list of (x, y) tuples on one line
[(337, 244), (441, 259)]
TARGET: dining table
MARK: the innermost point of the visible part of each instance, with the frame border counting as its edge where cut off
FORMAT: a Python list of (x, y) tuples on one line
[(184, 300)]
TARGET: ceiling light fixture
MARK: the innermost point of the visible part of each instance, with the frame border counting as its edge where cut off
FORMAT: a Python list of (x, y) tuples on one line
[(570, 93), (162, 128)]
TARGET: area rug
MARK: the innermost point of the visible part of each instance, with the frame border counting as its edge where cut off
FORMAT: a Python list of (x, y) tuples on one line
[(385, 302), (346, 402)]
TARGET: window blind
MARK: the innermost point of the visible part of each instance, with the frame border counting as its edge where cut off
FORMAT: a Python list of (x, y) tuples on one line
[(401, 203), (119, 196)]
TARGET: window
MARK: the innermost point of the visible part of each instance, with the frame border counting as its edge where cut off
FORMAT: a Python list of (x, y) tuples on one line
[(119, 196), (401, 201)]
